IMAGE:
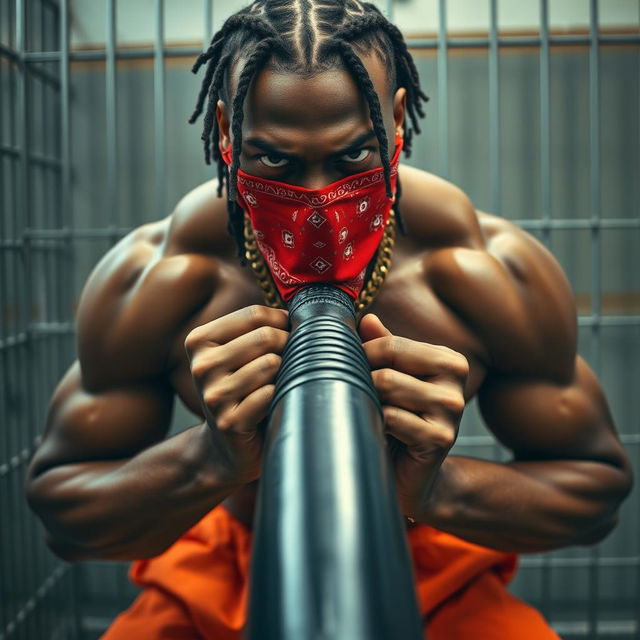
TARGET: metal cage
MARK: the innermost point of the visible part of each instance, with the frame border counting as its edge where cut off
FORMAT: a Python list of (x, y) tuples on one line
[(540, 127)]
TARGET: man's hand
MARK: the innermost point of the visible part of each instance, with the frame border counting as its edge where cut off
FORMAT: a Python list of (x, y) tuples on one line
[(421, 389), (234, 361)]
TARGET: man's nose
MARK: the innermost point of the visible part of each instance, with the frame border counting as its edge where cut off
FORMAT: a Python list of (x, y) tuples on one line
[(314, 180)]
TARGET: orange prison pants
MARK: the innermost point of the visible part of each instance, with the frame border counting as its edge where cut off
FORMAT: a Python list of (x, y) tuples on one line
[(198, 589)]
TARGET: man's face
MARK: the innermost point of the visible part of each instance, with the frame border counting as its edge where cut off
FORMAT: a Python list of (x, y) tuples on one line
[(311, 132)]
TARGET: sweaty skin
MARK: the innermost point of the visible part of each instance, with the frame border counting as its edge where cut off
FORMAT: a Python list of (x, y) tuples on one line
[(473, 306)]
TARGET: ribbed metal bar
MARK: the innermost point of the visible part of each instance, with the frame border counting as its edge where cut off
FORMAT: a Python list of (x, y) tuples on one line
[(112, 210), (495, 164), (596, 260), (443, 88), (159, 109)]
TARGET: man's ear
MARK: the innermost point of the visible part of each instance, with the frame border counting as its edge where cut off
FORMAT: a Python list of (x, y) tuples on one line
[(399, 107), (224, 124)]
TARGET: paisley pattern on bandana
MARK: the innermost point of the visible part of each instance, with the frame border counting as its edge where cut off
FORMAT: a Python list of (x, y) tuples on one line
[(321, 235)]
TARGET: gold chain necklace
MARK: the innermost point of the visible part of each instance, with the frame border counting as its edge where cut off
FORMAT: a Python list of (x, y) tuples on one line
[(380, 270)]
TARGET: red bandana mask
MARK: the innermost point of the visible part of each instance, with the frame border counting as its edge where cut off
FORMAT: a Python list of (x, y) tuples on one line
[(318, 235)]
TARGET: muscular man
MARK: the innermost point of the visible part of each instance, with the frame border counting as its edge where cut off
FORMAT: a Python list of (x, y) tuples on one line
[(301, 95)]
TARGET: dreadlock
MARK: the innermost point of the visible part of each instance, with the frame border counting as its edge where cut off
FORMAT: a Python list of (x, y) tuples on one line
[(305, 37)]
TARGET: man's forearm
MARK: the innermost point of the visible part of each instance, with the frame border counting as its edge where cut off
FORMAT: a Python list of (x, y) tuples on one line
[(526, 506), (129, 509)]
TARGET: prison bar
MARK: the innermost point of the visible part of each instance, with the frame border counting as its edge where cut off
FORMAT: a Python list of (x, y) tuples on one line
[(18, 349)]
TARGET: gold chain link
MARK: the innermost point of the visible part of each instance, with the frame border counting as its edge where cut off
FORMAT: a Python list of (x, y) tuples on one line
[(367, 294)]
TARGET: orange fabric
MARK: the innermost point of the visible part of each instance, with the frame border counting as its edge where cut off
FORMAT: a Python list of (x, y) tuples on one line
[(198, 588)]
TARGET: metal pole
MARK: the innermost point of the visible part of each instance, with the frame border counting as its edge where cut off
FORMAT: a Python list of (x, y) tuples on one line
[(208, 22), (159, 109), (495, 164), (113, 215), (545, 179), (545, 122), (443, 100), (388, 10), (596, 259), (22, 356)]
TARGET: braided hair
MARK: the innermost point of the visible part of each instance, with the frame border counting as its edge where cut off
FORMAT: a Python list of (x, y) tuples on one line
[(304, 37)]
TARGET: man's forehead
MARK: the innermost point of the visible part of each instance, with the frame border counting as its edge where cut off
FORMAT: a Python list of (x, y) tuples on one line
[(334, 84)]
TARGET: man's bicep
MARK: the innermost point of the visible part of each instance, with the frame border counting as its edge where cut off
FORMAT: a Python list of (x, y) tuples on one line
[(112, 424), (543, 420)]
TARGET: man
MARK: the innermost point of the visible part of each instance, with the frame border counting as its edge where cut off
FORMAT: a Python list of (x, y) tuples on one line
[(303, 95)]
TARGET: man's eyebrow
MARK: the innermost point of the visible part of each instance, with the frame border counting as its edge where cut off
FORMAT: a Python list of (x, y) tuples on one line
[(358, 142), (267, 147)]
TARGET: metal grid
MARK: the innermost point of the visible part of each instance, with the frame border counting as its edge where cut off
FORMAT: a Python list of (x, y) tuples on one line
[(40, 240)]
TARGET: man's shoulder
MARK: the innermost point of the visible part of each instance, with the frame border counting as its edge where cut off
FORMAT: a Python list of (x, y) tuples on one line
[(146, 287), (500, 280)]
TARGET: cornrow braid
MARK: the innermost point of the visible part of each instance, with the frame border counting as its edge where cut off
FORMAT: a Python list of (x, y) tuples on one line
[(406, 68), (361, 76), (259, 56), (214, 75)]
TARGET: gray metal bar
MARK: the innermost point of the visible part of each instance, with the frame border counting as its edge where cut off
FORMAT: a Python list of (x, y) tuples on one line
[(443, 101), (67, 220), (495, 164), (208, 22), (111, 109), (388, 10), (68, 328), (22, 212), (36, 235), (34, 158), (518, 41), (9, 53), (546, 577), (159, 109), (416, 43), (16, 625), (545, 121), (596, 260)]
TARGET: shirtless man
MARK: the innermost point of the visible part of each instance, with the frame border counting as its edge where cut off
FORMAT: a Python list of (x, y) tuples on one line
[(471, 306)]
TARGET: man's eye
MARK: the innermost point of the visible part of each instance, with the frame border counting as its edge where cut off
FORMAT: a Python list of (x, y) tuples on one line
[(274, 162), (356, 156)]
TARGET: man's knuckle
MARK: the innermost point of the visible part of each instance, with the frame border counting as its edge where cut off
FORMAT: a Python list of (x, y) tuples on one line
[(199, 368), (225, 421), (457, 403), (443, 437), (271, 361), (213, 396), (459, 365), (192, 341), (258, 314), (385, 379)]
